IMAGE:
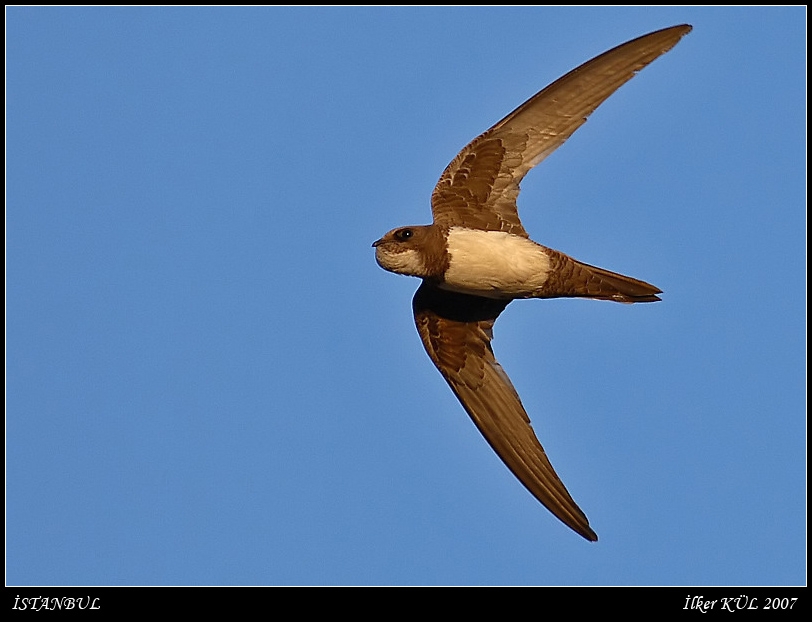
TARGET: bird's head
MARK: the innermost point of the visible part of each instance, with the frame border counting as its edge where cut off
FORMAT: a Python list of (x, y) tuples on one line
[(402, 250)]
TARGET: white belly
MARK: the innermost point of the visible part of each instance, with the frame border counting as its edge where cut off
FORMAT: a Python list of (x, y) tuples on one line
[(494, 264)]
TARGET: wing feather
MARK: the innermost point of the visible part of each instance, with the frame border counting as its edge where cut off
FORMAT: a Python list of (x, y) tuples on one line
[(456, 330), (478, 189)]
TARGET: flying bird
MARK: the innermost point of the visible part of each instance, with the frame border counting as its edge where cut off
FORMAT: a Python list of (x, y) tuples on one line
[(476, 257)]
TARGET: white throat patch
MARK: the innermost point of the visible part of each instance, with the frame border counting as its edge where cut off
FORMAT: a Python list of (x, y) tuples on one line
[(494, 264), (406, 262)]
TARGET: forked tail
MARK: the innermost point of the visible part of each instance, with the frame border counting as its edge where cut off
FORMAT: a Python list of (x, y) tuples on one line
[(571, 278)]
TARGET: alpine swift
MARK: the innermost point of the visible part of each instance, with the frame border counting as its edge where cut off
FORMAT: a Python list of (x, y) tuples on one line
[(476, 257)]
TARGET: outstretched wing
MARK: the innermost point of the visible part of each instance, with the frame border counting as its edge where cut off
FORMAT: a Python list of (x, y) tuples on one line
[(478, 189), (456, 330)]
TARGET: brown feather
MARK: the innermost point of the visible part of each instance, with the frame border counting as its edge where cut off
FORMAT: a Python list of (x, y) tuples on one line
[(456, 330), (570, 278), (478, 189)]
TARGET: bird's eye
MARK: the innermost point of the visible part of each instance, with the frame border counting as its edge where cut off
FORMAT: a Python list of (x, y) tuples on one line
[(404, 234)]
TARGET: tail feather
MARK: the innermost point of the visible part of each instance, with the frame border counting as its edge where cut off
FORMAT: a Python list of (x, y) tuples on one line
[(606, 285), (574, 279)]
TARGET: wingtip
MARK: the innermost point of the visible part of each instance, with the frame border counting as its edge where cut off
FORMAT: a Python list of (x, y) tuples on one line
[(681, 29), (582, 529), (669, 37)]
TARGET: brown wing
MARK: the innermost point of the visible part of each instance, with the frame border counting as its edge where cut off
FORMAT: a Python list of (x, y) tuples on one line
[(456, 330), (479, 188)]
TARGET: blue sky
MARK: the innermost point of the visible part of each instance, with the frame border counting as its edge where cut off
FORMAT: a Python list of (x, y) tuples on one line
[(210, 381)]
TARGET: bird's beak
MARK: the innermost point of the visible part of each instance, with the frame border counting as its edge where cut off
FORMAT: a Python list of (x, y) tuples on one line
[(377, 243)]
